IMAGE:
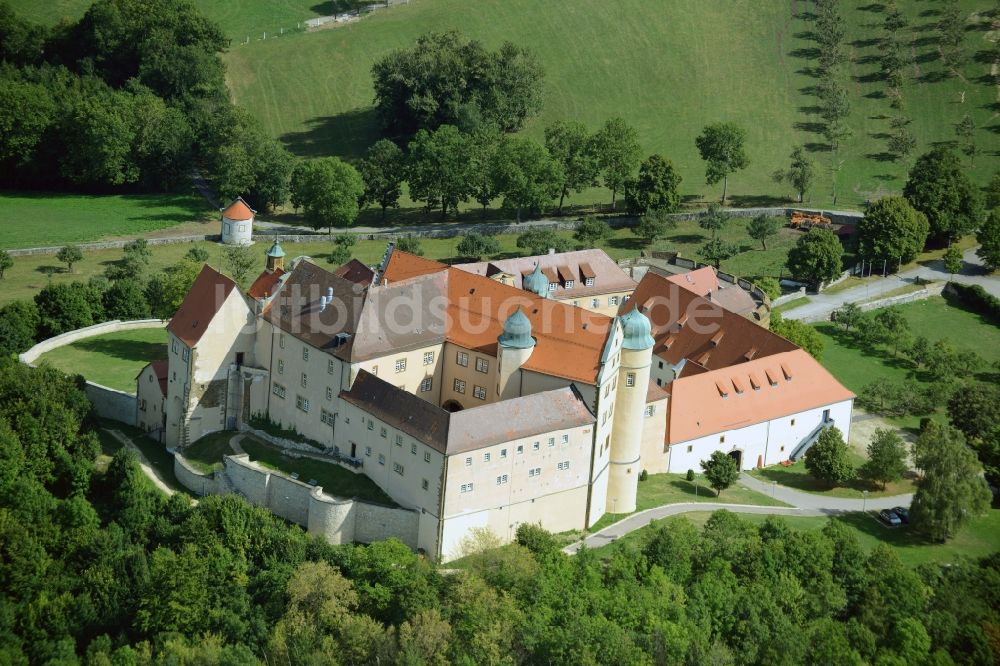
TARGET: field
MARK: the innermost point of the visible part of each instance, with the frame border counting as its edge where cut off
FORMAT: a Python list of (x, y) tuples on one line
[(797, 476), (933, 318), (113, 359), (660, 66), (31, 273), (42, 219), (979, 538)]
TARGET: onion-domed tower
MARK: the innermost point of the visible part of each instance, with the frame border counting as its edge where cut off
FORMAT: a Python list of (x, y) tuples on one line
[(536, 282), (630, 405), (275, 257), (514, 347)]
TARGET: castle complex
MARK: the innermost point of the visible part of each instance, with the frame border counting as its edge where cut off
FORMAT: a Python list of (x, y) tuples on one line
[(480, 396)]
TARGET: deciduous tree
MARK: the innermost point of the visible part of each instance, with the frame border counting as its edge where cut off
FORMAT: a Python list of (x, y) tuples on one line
[(800, 334), (828, 459), (591, 231), (763, 227), (570, 144), (721, 471), (329, 190), (653, 226), (988, 237), (952, 260), (722, 148), (616, 146), (476, 246), (939, 188), (240, 260), (69, 255), (800, 172), (438, 171), (529, 178), (892, 230), (383, 171), (6, 261), (886, 458), (716, 250), (540, 241), (655, 188), (816, 257)]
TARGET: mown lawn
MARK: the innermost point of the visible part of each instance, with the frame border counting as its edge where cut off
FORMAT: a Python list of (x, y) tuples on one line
[(660, 489), (31, 273), (668, 78), (796, 476), (856, 366), (979, 538), (335, 479), (206, 454), (42, 219), (113, 359)]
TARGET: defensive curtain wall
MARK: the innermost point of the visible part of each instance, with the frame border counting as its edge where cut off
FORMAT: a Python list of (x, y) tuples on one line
[(339, 520), (449, 230), (108, 403)]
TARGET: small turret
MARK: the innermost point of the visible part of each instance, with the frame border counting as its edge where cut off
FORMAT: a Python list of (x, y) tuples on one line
[(514, 347), (636, 330), (536, 282), (275, 257), (237, 223)]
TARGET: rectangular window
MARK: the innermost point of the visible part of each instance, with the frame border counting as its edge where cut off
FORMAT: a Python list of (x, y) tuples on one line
[(612, 300), (302, 403), (479, 392), (690, 448), (482, 365), (535, 446), (413, 449), (329, 393), (503, 454), (371, 424), (466, 487), (368, 451), (281, 367), (305, 353), (552, 286), (462, 359), (589, 282), (278, 390), (563, 465), (468, 462), (329, 366), (400, 364), (486, 457), (552, 442), (424, 484), (325, 416), (630, 379), (174, 346), (569, 284), (722, 439), (185, 354), (428, 358), (565, 439), (381, 459), (534, 471), (383, 432), (520, 448), (375, 370), (793, 421), (305, 380), (650, 409), (427, 456), (459, 386), (502, 479), (281, 340), (397, 468), (426, 384), (595, 302)]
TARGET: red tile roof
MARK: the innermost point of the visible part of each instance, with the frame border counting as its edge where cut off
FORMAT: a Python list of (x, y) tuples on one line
[(560, 268), (160, 371), (403, 265), (239, 211), (356, 272), (206, 296), (264, 285), (712, 402)]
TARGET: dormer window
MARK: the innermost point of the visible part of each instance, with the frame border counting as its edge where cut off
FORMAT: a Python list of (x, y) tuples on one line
[(589, 282), (552, 286), (569, 284)]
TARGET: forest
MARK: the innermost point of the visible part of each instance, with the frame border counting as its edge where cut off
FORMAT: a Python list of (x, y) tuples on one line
[(98, 568)]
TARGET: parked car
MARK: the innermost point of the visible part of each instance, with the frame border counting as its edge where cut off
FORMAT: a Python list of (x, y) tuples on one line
[(902, 512), (890, 517)]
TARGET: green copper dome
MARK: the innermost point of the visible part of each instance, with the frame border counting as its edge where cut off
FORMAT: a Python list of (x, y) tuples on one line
[(537, 282), (636, 328), (276, 250), (517, 332)]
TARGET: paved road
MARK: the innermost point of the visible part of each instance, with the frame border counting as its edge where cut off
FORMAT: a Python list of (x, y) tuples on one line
[(973, 272), (802, 504)]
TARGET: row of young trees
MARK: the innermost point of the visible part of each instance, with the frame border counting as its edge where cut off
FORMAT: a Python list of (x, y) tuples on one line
[(98, 567)]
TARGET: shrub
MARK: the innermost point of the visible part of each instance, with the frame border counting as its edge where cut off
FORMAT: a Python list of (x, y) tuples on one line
[(977, 299), (536, 538), (643, 475), (690, 475)]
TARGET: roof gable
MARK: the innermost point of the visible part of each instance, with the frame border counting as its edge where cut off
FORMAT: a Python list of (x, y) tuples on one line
[(205, 298), (239, 211)]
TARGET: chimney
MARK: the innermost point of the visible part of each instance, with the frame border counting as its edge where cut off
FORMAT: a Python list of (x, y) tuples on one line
[(329, 294), (322, 303)]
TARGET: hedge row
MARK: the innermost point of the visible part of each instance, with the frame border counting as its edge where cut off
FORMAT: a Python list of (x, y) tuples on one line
[(977, 299)]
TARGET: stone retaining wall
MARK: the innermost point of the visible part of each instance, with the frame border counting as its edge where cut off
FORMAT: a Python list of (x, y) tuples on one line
[(116, 244), (200, 483), (926, 292), (108, 403)]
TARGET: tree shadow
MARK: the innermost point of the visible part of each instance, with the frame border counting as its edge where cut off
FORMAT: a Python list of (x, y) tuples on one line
[(127, 350), (874, 7), (688, 239), (348, 134), (884, 177), (993, 128), (633, 243), (864, 43), (756, 200), (811, 110), (936, 76), (871, 77), (881, 136), (869, 59), (817, 147), (807, 126), (806, 16), (929, 12), (50, 270), (983, 57), (807, 52), (807, 35), (881, 157), (926, 40)]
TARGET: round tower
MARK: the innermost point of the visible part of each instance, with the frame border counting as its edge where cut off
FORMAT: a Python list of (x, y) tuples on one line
[(514, 347), (275, 257), (237, 223), (630, 405), (536, 282)]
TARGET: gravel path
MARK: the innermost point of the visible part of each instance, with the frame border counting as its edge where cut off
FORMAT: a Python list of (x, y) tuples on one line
[(147, 469)]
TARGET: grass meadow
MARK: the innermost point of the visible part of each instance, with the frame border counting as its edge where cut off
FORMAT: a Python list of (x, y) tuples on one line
[(113, 359), (39, 219)]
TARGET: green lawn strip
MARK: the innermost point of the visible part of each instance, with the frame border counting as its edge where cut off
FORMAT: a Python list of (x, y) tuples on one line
[(979, 538), (898, 291), (206, 454), (31, 273), (797, 477), (41, 219), (660, 489), (112, 359), (334, 479), (792, 304), (157, 455)]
